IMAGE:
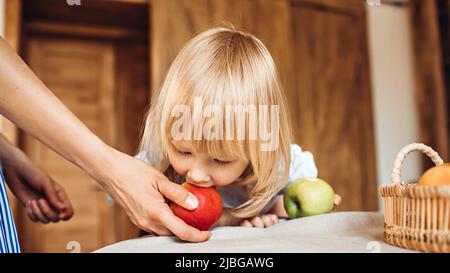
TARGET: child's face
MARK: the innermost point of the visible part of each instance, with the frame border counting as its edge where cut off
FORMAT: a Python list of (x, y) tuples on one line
[(202, 170)]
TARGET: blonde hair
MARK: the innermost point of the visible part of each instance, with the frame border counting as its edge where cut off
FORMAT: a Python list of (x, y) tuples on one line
[(223, 66)]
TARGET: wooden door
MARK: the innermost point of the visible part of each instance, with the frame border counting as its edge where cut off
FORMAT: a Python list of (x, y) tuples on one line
[(81, 74), (430, 21), (332, 106)]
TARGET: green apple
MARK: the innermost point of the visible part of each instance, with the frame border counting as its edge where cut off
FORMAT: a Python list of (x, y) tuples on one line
[(308, 197)]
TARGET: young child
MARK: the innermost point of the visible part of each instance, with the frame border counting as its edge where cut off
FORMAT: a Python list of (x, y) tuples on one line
[(189, 138)]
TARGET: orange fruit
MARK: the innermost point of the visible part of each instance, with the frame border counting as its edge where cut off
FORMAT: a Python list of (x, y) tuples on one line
[(439, 175)]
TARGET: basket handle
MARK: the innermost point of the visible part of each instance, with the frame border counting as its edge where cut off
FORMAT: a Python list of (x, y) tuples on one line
[(396, 171)]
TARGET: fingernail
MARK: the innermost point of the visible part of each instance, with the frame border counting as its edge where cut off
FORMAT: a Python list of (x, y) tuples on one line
[(191, 201)]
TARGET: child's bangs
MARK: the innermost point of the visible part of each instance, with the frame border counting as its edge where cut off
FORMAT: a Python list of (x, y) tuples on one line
[(221, 149), (205, 136), (200, 116)]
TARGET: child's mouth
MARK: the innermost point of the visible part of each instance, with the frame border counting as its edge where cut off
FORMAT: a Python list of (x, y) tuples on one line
[(200, 184)]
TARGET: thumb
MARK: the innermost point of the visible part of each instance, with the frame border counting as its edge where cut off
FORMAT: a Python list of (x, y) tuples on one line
[(52, 195), (177, 194)]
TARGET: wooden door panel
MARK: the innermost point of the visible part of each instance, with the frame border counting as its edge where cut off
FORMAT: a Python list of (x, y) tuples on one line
[(177, 21), (81, 74), (132, 99), (431, 76), (334, 112)]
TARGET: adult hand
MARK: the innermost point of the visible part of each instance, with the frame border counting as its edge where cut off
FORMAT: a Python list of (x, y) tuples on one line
[(140, 190), (45, 200)]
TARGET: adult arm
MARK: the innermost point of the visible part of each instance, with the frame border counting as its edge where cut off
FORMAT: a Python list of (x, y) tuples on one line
[(137, 187)]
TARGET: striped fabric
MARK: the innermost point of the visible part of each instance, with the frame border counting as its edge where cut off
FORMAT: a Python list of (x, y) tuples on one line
[(8, 234)]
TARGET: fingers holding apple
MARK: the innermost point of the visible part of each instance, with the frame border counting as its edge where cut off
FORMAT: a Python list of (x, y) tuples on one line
[(260, 221), (208, 211)]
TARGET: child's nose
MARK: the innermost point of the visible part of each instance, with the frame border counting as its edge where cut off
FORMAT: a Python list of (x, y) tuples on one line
[(199, 177)]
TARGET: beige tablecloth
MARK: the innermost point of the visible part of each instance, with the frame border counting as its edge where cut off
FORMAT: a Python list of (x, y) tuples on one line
[(335, 232)]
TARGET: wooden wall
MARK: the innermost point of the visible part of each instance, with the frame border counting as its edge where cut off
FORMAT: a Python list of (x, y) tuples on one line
[(174, 22), (429, 73)]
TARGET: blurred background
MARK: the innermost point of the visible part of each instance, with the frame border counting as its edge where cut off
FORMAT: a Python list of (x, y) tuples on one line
[(363, 78)]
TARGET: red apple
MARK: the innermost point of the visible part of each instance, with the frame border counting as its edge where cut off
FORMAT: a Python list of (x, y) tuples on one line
[(208, 211)]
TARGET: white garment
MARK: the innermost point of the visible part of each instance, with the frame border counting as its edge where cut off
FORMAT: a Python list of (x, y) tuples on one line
[(302, 166)]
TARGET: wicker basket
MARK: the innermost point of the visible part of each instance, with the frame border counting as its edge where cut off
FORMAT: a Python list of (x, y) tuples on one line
[(416, 217)]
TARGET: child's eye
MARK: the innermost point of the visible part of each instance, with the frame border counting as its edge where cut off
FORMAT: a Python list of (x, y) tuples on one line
[(221, 162), (184, 153)]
